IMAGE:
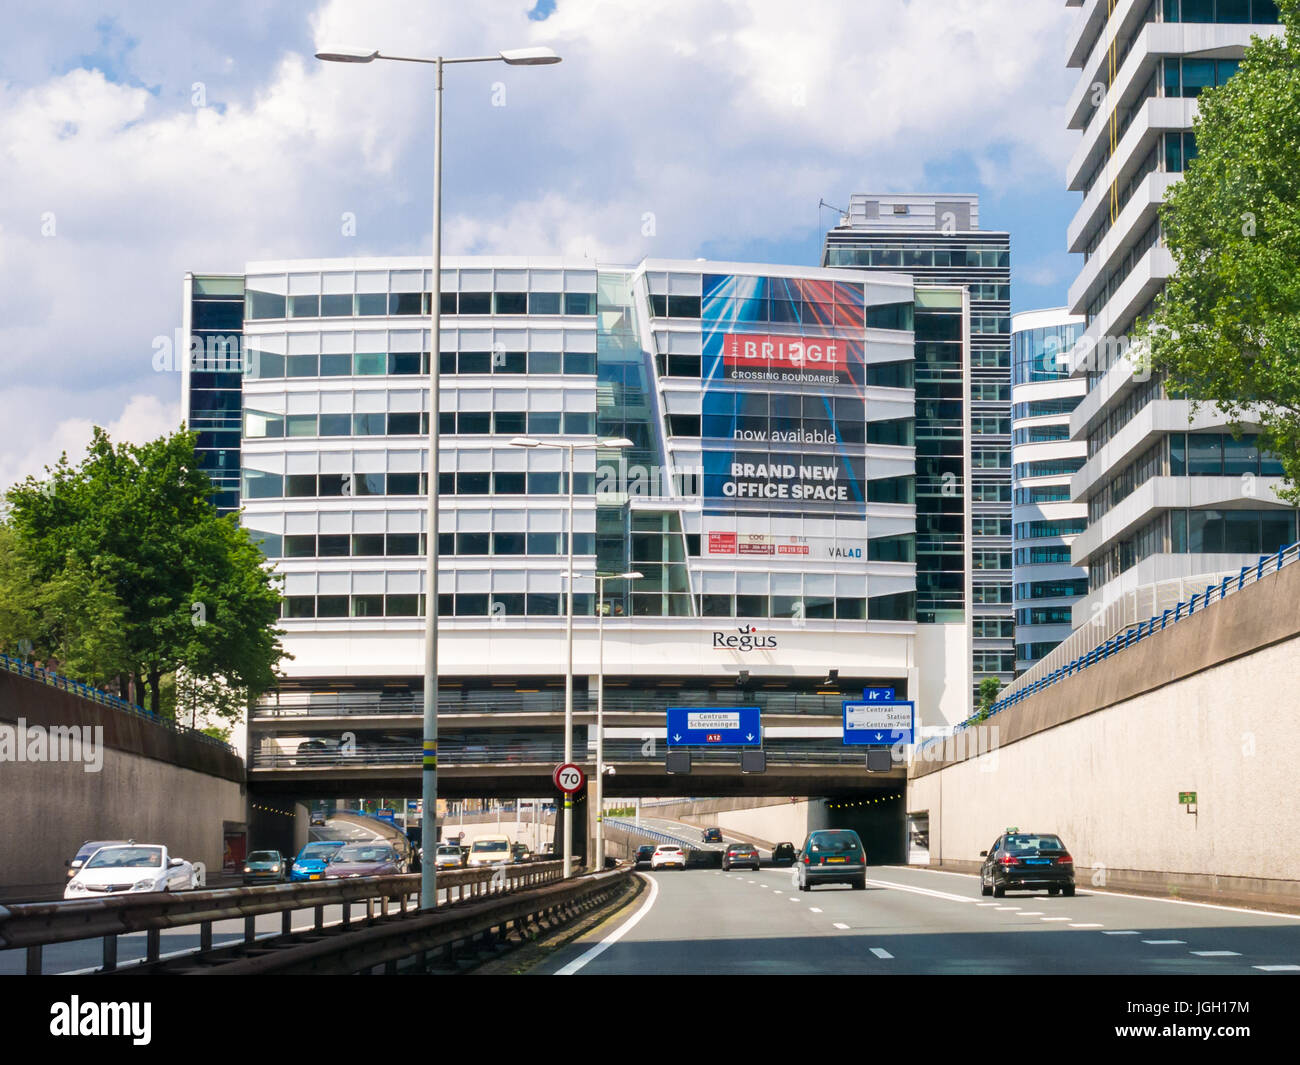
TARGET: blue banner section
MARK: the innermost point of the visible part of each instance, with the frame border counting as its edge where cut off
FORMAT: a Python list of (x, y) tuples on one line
[(878, 695), (879, 724), (714, 726)]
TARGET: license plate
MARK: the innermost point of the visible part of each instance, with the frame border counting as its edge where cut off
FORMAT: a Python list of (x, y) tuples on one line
[(835, 859), (314, 876), (1038, 861)]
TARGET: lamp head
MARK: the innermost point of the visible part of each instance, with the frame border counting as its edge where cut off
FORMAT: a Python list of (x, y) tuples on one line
[(529, 57), (348, 55)]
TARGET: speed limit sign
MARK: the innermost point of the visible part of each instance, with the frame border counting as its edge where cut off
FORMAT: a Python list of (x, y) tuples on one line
[(568, 778)]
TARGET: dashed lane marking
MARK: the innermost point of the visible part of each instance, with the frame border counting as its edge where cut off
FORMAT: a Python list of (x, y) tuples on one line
[(1215, 953), (841, 927), (881, 952), (1165, 942)]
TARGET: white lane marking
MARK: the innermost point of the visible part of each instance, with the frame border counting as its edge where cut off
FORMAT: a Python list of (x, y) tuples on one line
[(986, 904), (1215, 953), (1127, 932), (841, 927), (1003, 909), (1080, 925), (1277, 968), (777, 891), (1126, 895), (618, 933), (792, 899), (921, 891), (814, 909), (1031, 913), (881, 952), (1165, 942), (1053, 918)]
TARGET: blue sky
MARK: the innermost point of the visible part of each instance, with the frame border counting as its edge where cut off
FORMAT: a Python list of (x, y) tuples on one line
[(147, 138)]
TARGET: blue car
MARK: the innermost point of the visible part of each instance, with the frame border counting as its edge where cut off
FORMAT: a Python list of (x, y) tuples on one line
[(312, 859)]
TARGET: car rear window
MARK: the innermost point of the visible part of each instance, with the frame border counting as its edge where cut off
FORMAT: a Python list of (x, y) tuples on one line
[(666, 849), (1024, 843), (837, 841), (489, 846), (263, 856)]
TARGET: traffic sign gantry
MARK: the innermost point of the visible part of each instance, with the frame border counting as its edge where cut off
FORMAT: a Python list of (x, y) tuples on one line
[(568, 778), (715, 726), (879, 724)]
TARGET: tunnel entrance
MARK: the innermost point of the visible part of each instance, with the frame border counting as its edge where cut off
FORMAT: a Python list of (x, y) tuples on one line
[(880, 822)]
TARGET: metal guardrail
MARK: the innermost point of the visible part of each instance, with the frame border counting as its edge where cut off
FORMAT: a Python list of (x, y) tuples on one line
[(786, 753), (103, 698), (1031, 684), (423, 938), (34, 925)]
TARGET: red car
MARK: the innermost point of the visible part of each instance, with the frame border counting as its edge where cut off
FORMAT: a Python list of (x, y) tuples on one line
[(364, 859)]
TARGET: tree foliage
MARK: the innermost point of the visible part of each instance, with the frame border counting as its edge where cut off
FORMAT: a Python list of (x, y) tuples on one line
[(1226, 330), (163, 584)]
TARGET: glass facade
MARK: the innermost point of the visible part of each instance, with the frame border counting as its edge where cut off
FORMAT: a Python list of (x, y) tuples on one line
[(216, 375)]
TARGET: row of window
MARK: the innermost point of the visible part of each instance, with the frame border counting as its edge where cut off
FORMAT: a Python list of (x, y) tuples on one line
[(1042, 556), (993, 628), (1128, 409), (989, 425), (910, 255), (260, 485), (991, 594), (1045, 615), (1067, 589), (1032, 652), (266, 424), (897, 607), (271, 366), (270, 305), (1053, 493), (991, 526), (1037, 530), (994, 661), (1049, 467), (1040, 434), (990, 560), (1238, 11), (1041, 408)]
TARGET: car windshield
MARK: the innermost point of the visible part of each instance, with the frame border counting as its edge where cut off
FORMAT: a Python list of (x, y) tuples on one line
[(363, 852), (449, 851), (263, 856), (490, 846), (833, 841), (668, 850), (87, 850), (321, 851), (127, 858), (1028, 844)]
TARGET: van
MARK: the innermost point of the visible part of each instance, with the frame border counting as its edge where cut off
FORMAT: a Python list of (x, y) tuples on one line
[(489, 850)]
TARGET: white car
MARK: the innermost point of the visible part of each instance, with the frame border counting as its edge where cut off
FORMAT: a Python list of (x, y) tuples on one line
[(668, 855), (131, 868)]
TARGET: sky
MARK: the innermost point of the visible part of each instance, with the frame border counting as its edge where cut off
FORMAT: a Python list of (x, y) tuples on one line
[(142, 139)]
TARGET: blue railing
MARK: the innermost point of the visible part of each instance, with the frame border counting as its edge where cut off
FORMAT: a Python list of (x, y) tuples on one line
[(1198, 603), (103, 698)]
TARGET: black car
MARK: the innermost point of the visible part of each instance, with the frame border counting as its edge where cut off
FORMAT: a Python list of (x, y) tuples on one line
[(644, 854), (713, 835), (832, 856), (783, 854), (1027, 860), (740, 854)]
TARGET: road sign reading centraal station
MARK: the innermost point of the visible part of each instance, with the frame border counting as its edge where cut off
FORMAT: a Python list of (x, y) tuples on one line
[(879, 723), (714, 726)]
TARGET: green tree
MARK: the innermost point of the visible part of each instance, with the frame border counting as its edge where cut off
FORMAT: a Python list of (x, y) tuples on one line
[(80, 624), (18, 587), (1226, 330), (195, 597), (989, 688)]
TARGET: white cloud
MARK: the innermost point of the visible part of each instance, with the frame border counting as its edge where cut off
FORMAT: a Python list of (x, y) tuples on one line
[(726, 121)]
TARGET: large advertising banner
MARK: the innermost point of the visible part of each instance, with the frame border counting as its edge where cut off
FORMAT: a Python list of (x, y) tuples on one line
[(783, 369)]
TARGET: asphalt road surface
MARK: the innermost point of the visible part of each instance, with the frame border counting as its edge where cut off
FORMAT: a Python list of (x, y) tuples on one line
[(704, 921)]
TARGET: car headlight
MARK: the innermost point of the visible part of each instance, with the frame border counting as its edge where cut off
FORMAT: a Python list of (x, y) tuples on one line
[(297, 867), (76, 885), (247, 869), (275, 868), (147, 884)]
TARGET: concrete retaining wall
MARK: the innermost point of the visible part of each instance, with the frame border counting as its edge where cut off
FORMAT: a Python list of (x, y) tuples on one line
[(1211, 705)]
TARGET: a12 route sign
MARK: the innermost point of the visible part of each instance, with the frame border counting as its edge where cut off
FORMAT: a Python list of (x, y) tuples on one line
[(568, 778), (879, 724), (715, 726)]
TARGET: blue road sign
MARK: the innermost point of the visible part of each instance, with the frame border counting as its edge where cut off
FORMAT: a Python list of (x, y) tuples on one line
[(878, 723), (878, 695), (714, 726)]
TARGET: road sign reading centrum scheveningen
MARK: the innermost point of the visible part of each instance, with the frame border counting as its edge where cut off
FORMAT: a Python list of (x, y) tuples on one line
[(714, 726)]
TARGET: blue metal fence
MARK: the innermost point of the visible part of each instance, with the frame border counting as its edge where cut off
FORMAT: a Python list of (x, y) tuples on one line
[(96, 695), (1198, 603)]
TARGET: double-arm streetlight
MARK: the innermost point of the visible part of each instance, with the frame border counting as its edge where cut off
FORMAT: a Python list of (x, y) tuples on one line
[(429, 790), (601, 578), (616, 443)]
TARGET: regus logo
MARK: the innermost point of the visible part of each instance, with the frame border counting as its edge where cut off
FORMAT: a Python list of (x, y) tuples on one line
[(745, 641)]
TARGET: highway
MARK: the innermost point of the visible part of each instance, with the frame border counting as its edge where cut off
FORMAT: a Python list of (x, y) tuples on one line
[(706, 922)]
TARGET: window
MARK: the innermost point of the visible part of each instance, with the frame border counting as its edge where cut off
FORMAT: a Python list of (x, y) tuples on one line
[(581, 362), (336, 305), (368, 544), (405, 303), (683, 306), (474, 362), (576, 303), (304, 306), (547, 362), (263, 305), (510, 302), (544, 303), (372, 304), (475, 303)]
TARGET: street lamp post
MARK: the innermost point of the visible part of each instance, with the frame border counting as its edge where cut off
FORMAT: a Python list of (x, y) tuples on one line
[(601, 578), (429, 790), (571, 447)]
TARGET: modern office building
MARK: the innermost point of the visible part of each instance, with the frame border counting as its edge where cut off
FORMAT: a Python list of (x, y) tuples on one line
[(1045, 521), (963, 417), (1168, 499), (768, 498)]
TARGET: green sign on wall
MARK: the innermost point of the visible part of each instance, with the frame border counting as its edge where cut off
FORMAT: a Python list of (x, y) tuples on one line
[(1187, 798)]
